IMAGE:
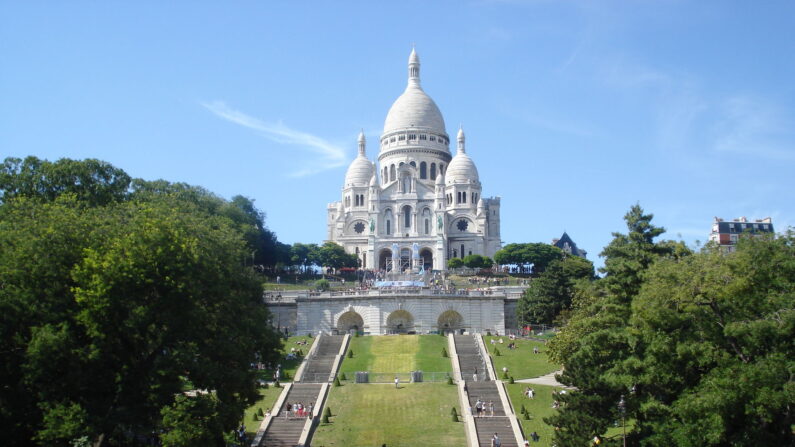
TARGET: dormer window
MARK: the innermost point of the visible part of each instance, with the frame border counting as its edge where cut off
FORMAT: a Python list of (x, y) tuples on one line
[(423, 137), (433, 138), (401, 138), (412, 137)]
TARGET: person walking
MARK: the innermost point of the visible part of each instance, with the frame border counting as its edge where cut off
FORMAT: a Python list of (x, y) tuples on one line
[(397, 382), (495, 441)]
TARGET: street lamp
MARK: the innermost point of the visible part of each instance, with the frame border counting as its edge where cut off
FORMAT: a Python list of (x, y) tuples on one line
[(622, 407)]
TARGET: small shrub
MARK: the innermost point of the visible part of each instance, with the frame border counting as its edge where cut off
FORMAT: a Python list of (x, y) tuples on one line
[(505, 375), (350, 353), (497, 352), (523, 410), (337, 381), (286, 375), (527, 416), (343, 377), (511, 381), (255, 417), (327, 412), (488, 333), (449, 380), (357, 334), (444, 352), (260, 413), (453, 411), (325, 419), (454, 415)]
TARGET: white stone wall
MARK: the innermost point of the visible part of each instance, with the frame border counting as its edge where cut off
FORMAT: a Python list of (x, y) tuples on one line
[(480, 314)]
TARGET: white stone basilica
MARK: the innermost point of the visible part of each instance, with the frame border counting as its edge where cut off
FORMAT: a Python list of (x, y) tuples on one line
[(427, 206)]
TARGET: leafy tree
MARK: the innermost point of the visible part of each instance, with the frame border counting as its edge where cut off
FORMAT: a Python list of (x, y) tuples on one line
[(552, 292), (333, 255), (536, 254), (473, 261), (455, 263), (121, 303), (596, 339), (194, 420), (92, 181), (715, 348), (304, 255)]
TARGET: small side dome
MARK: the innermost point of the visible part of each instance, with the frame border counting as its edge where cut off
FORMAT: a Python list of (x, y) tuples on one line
[(373, 181), (359, 172), (462, 170), (440, 179)]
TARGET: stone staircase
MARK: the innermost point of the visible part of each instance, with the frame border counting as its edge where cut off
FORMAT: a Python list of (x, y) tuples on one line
[(284, 431), (469, 358), (318, 367)]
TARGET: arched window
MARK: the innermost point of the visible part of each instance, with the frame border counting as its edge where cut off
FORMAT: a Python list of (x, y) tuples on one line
[(423, 170), (407, 217), (441, 168), (385, 176), (462, 250), (464, 197), (427, 226), (388, 228), (392, 173), (413, 164), (433, 171)]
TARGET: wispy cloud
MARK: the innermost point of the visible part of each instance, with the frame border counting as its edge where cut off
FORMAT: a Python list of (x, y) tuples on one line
[(755, 128), (331, 155)]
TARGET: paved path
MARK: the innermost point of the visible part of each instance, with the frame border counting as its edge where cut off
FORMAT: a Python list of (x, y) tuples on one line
[(548, 379)]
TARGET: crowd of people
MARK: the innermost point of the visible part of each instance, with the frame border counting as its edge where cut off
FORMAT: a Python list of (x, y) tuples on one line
[(299, 410)]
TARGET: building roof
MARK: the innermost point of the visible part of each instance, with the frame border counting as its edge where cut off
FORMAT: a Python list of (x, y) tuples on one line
[(461, 168), (414, 108), (566, 244)]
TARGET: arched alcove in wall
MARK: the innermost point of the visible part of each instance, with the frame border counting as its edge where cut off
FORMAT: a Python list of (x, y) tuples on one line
[(385, 255), (400, 321), (350, 321), (427, 258), (450, 320)]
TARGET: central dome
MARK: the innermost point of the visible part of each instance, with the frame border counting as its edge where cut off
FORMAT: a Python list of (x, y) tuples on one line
[(414, 108)]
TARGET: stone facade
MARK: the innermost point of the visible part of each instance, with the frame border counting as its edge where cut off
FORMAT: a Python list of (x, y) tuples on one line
[(419, 206)]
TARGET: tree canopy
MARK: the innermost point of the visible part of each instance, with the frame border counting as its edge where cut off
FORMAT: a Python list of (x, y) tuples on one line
[(535, 254), (109, 307), (700, 345), (553, 291)]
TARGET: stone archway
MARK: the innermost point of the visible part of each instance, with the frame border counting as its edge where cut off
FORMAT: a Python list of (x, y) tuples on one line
[(383, 258), (427, 258), (400, 322), (450, 321), (350, 321)]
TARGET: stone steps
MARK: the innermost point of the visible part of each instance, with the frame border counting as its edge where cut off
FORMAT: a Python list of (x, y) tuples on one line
[(486, 392), (486, 427), (284, 431), (318, 367)]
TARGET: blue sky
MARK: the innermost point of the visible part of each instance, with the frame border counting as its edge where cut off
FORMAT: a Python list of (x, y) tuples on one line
[(573, 111)]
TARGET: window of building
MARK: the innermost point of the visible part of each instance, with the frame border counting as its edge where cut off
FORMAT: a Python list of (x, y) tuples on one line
[(407, 217), (423, 137), (413, 164), (462, 225), (392, 173), (433, 138), (412, 137), (388, 227), (427, 226), (358, 227), (433, 171), (401, 138), (423, 170), (441, 168), (462, 250), (392, 140)]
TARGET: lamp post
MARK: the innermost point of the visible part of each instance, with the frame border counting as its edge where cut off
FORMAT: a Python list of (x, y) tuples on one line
[(622, 407)]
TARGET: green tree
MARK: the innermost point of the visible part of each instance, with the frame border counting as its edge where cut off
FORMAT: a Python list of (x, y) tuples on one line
[(455, 263), (596, 339), (92, 181), (333, 255), (473, 261), (715, 351), (536, 255), (552, 292), (122, 303), (194, 420), (304, 255)]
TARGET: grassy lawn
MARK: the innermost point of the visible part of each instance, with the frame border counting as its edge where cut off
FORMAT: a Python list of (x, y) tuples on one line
[(539, 408), (289, 366), (370, 415), (521, 362), (398, 353), (267, 399)]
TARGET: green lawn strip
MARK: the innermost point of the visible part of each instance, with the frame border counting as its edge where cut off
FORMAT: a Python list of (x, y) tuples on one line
[(429, 357), (538, 408), (395, 353), (521, 362), (371, 415), (273, 287), (289, 366), (362, 356), (268, 397)]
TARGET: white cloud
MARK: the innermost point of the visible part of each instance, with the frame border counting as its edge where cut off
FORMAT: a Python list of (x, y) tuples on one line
[(331, 155), (755, 128)]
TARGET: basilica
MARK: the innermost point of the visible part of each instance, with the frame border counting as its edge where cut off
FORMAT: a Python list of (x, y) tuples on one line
[(419, 205)]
